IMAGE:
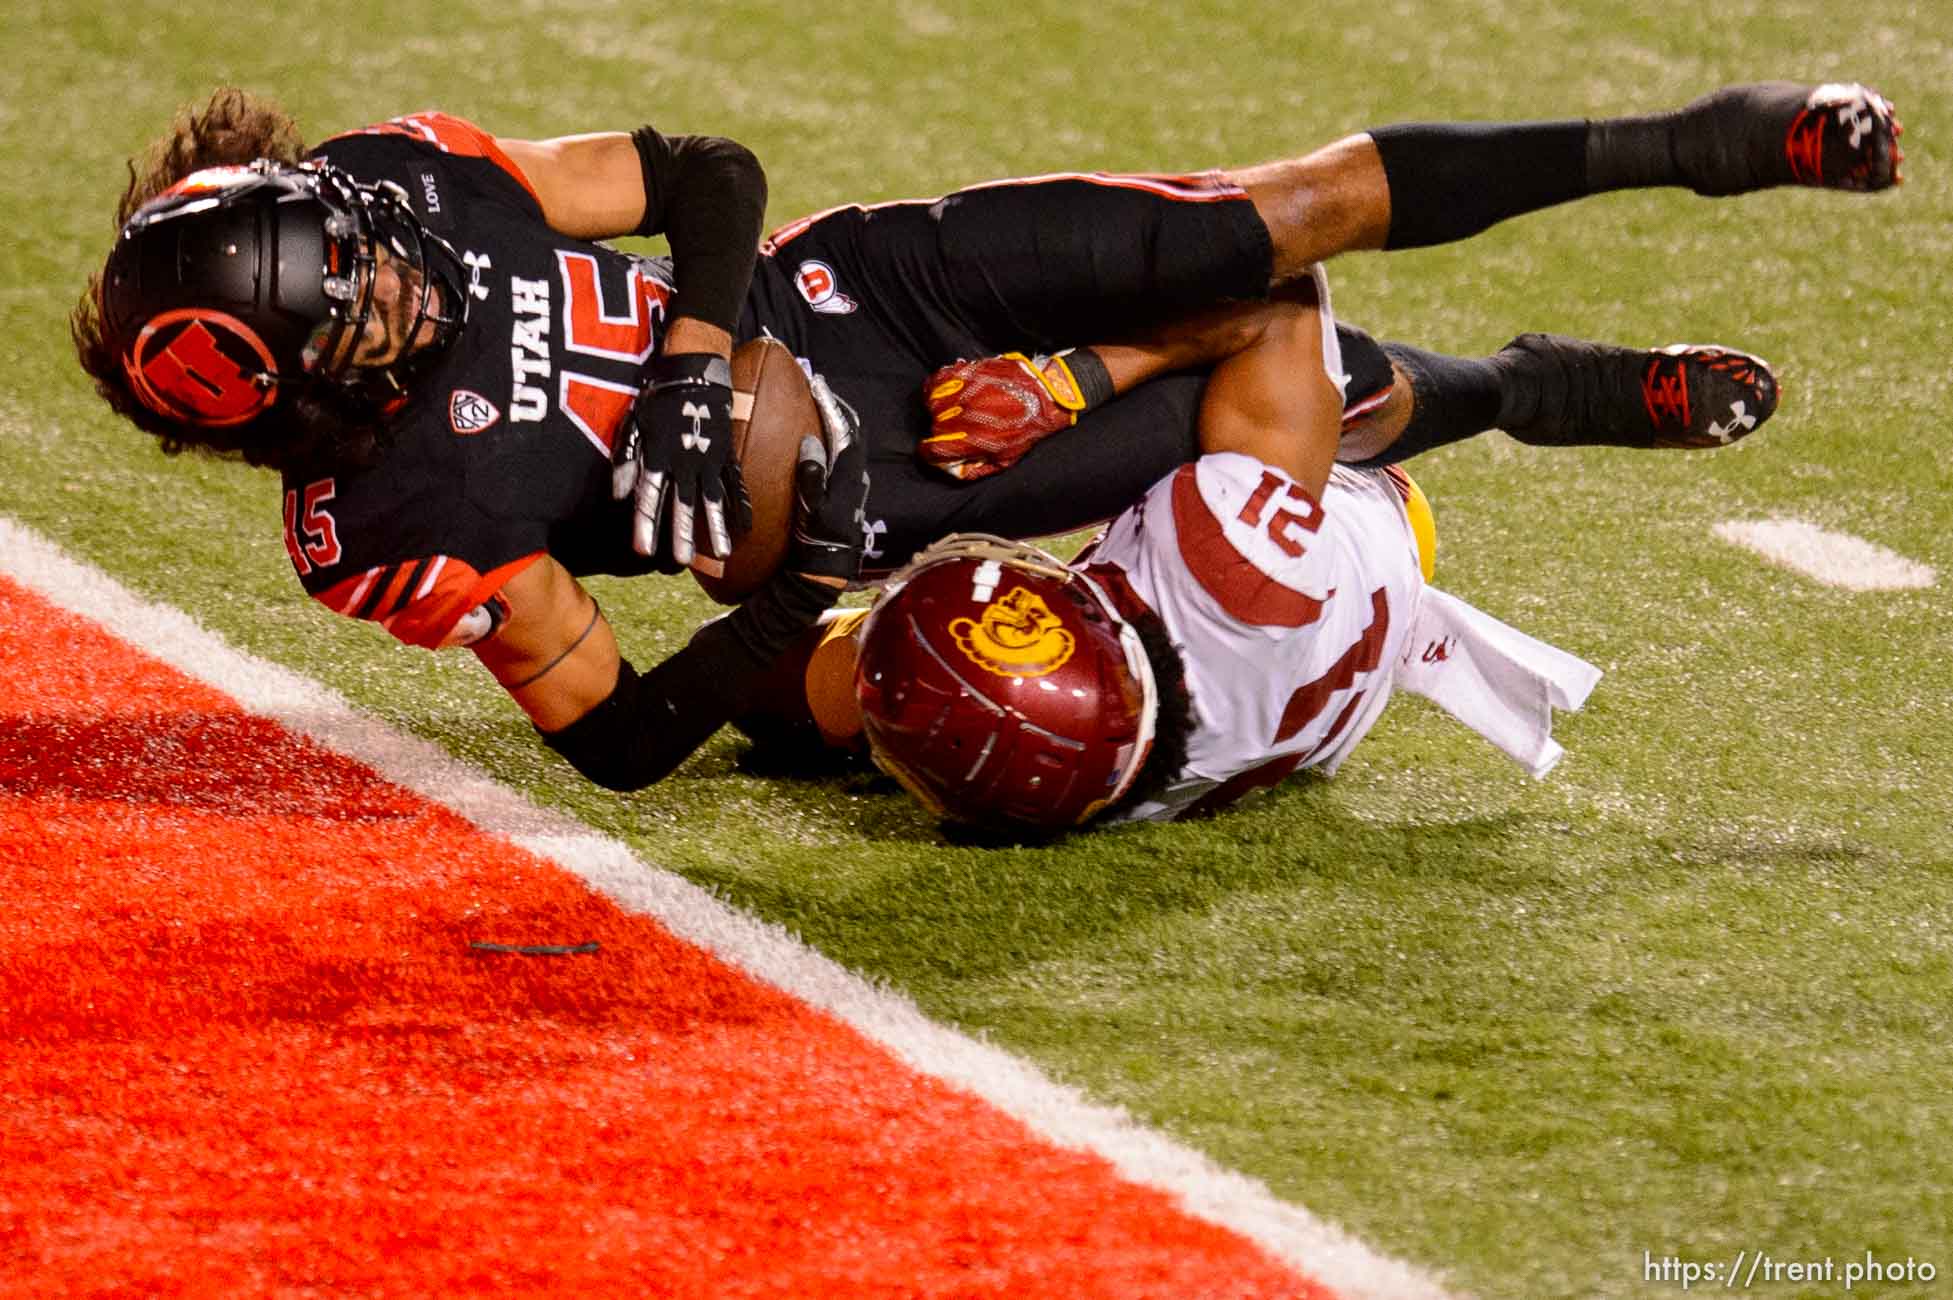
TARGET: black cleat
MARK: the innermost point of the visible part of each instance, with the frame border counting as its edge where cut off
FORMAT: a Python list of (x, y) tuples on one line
[(1743, 138), (1562, 392)]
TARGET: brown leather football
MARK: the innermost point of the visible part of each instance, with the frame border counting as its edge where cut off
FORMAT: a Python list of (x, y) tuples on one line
[(772, 408)]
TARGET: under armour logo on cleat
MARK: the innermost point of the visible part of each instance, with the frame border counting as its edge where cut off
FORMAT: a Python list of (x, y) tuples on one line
[(1860, 123), (695, 440), (1741, 423), (1854, 109)]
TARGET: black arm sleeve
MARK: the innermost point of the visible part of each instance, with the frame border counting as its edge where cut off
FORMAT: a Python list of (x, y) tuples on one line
[(651, 723), (707, 196)]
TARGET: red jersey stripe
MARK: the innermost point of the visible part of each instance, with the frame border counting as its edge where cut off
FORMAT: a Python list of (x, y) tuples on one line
[(1203, 187), (1236, 583), (424, 598)]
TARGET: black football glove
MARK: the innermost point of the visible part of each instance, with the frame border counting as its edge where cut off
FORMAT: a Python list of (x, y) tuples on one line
[(677, 447), (830, 493)]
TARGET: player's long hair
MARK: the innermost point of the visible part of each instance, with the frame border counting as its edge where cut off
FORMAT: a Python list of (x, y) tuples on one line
[(232, 128)]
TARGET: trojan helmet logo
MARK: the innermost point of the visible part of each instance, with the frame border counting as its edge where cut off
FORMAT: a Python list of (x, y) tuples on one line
[(1017, 635)]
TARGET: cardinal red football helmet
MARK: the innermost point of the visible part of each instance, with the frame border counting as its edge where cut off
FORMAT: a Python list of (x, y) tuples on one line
[(235, 288), (1002, 688)]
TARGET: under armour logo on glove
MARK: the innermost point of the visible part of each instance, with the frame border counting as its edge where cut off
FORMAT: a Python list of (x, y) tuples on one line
[(677, 449), (694, 440)]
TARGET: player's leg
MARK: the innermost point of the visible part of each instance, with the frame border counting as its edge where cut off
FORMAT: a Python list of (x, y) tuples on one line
[(1552, 391), (1057, 261), (1411, 185), (1050, 262)]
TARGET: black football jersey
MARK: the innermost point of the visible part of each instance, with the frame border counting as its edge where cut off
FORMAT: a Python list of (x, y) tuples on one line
[(503, 454)]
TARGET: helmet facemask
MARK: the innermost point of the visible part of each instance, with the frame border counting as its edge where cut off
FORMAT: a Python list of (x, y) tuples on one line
[(368, 226)]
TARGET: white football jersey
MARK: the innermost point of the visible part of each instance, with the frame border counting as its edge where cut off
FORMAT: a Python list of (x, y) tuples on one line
[(1290, 613)]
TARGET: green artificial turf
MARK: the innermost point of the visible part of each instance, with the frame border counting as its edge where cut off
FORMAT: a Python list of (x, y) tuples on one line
[(1689, 996)]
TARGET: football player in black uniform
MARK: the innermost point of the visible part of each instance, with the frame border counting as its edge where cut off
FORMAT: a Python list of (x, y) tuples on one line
[(471, 402)]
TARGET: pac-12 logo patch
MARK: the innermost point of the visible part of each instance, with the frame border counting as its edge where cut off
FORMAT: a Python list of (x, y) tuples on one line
[(471, 412), (815, 280), (1015, 636)]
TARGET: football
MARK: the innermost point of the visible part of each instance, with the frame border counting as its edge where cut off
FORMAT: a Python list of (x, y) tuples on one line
[(772, 408)]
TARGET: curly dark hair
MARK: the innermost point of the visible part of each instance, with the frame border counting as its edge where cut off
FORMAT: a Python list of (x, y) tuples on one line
[(232, 128), (1174, 723)]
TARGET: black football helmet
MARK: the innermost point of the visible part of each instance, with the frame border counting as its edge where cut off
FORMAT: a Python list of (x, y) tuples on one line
[(240, 288)]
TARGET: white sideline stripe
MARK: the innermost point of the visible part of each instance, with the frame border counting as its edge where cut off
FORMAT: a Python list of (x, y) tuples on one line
[(1056, 1112), (1834, 559)]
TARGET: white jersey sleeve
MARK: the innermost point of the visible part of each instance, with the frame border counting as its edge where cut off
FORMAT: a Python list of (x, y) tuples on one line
[(1290, 613)]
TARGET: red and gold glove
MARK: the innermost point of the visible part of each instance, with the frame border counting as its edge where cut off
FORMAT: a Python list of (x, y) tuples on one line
[(986, 414)]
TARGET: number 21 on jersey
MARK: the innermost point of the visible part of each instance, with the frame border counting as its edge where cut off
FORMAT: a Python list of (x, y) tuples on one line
[(1283, 525)]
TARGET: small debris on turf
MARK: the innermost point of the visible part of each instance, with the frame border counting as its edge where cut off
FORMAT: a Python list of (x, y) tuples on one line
[(535, 949)]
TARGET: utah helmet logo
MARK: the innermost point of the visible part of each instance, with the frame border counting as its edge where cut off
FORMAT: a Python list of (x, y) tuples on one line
[(1017, 635), (471, 412), (817, 285), (210, 180), (202, 367)]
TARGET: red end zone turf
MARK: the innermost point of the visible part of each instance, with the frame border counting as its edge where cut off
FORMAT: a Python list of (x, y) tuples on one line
[(249, 1050)]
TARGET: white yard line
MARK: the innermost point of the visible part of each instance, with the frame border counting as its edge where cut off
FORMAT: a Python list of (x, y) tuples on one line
[(1834, 559), (1058, 1113)]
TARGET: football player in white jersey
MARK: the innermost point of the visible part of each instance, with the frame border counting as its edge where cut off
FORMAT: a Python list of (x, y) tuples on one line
[(1247, 618)]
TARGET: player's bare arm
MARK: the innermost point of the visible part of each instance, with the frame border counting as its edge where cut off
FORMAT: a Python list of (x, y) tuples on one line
[(608, 184), (556, 655), (592, 187), (707, 196), (1273, 400), (987, 414)]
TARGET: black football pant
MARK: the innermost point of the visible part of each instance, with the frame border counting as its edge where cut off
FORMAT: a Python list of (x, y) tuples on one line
[(877, 298)]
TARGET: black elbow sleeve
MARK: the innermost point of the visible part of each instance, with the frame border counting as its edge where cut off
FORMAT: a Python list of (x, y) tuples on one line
[(609, 743), (707, 196), (652, 722)]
